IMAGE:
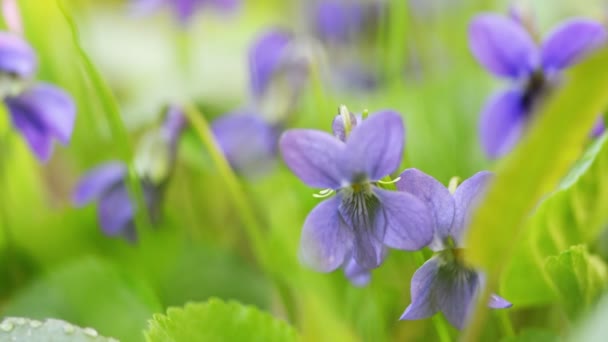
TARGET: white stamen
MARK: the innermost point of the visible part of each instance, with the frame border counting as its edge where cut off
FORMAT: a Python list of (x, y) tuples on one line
[(323, 193), (390, 182)]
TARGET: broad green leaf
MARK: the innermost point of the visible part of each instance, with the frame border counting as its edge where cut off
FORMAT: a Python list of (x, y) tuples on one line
[(572, 215), (89, 292), (216, 320), (578, 278), (25, 329), (533, 335)]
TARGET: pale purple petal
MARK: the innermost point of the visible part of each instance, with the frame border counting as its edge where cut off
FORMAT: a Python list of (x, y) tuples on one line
[(313, 156), (185, 9), (337, 125), (571, 41), (467, 197), (115, 211), (422, 289), (31, 126), (455, 289), (225, 5), (145, 7), (325, 241), (358, 276), (435, 196), (173, 125), (16, 56), (502, 122), (98, 181), (598, 128), (497, 302), (265, 57), (375, 147), (368, 251), (408, 221), (338, 21), (502, 46), (249, 143)]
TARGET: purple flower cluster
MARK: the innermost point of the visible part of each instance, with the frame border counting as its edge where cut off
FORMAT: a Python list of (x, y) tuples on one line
[(503, 46), (41, 112), (354, 228)]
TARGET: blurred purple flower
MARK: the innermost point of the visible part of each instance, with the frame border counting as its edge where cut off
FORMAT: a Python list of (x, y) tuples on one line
[(106, 184), (362, 218), (506, 49), (444, 283), (184, 9), (40, 112)]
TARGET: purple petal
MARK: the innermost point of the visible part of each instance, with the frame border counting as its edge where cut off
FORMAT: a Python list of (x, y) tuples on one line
[(598, 128), (337, 125), (325, 239), (375, 146), (571, 41), (435, 196), (497, 302), (502, 46), (34, 131), (225, 5), (358, 276), (313, 156), (185, 9), (145, 7), (466, 198), (173, 125), (455, 289), (408, 221), (115, 211), (98, 181), (265, 57), (248, 142), (16, 56), (368, 251), (421, 289), (502, 123), (337, 21)]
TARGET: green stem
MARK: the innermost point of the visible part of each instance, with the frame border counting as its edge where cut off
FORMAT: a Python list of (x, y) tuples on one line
[(4, 220), (439, 322), (505, 323)]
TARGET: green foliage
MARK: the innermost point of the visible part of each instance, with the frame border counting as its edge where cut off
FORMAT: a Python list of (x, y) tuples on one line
[(216, 320), (593, 328), (532, 335), (89, 292), (578, 278), (51, 330)]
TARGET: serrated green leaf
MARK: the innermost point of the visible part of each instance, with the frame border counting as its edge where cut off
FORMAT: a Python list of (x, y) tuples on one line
[(216, 320), (578, 278), (572, 215), (25, 329), (89, 292)]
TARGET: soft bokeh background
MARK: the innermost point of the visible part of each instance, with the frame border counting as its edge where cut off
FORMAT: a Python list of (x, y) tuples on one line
[(60, 264)]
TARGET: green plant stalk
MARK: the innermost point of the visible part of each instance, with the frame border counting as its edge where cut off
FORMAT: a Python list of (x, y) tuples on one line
[(117, 126), (505, 322), (4, 220)]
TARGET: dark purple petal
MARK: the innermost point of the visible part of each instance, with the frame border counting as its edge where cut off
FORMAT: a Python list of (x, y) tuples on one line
[(502, 46), (407, 220), (115, 211), (98, 181), (502, 123), (265, 57), (497, 302), (422, 289), (466, 198), (570, 41), (313, 156), (249, 143), (455, 289), (16, 56), (375, 147), (338, 21), (435, 196), (357, 275), (326, 241), (34, 131), (368, 251)]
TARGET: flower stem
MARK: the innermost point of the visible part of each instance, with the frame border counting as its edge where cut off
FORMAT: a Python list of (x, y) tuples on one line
[(505, 322), (439, 322), (4, 220)]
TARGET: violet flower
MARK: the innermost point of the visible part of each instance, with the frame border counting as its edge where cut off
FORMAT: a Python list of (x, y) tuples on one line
[(184, 9), (154, 163), (41, 112), (444, 283), (361, 219), (506, 49), (278, 73)]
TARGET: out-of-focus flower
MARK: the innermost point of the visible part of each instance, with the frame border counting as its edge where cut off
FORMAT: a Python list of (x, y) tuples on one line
[(361, 219), (444, 283), (506, 49), (278, 66), (41, 112), (154, 163), (184, 9)]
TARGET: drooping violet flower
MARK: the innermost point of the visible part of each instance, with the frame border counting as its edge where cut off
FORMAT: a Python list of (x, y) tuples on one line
[(154, 164), (184, 9), (278, 66), (504, 48), (362, 218), (41, 112), (444, 283)]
